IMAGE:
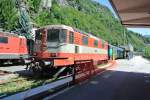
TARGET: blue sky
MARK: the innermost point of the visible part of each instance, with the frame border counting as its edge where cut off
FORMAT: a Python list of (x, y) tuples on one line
[(143, 31)]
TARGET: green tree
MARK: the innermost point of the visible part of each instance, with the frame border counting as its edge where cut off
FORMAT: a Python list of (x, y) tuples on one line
[(8, 14)]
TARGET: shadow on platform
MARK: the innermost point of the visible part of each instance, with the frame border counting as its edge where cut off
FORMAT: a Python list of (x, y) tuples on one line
[(111, 85)]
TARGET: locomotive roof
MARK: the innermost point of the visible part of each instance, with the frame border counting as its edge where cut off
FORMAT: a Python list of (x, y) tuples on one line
[(59, 27), (10, 34), (72, 29)]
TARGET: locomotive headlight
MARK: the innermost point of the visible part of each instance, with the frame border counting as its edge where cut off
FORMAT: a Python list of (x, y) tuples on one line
[(54, 54)]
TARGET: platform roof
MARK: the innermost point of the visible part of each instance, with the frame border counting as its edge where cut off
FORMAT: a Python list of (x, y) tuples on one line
[(132, 13)]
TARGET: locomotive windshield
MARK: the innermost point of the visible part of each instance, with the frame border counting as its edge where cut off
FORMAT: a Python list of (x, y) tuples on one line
[(56, 35), (53, 35)]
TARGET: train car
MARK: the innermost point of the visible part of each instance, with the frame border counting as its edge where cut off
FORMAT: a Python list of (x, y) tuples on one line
[(120, 53), (61, 45), (115, 52), (12, 47)]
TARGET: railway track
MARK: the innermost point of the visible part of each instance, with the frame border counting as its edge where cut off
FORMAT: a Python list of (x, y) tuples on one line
[(5, 76), (47, 87)]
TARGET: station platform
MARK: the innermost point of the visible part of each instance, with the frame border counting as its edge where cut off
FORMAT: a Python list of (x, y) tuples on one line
[(129, 80)]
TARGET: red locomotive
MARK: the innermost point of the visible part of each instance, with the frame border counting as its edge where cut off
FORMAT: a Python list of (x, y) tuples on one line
[(60, 45), (12, 47)]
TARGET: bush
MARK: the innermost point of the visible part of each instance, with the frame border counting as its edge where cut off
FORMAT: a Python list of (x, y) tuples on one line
[(147, 52)]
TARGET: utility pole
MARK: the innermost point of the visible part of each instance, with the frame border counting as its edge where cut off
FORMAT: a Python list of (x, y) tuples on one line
[(124, 35)]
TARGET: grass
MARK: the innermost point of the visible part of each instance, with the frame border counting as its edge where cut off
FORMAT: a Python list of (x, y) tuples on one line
[(21, 84)]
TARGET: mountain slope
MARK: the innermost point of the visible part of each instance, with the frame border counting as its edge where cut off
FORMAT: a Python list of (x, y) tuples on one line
[(86, 15), (91, 17)]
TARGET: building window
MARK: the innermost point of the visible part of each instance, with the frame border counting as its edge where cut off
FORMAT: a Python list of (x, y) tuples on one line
[(3, 39), (71, 37), (95, 43), (85, 40)]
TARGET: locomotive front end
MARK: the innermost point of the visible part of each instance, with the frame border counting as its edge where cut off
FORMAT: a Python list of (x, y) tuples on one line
[(50, 44)]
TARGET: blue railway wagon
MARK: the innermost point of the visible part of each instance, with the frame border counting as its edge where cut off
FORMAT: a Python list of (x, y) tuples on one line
[(115, 52)]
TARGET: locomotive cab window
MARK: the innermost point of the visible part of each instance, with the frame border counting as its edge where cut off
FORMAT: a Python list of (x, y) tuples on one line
[(56, 35), (53, 35), (3, 39), (71, 37), (85, 40)]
